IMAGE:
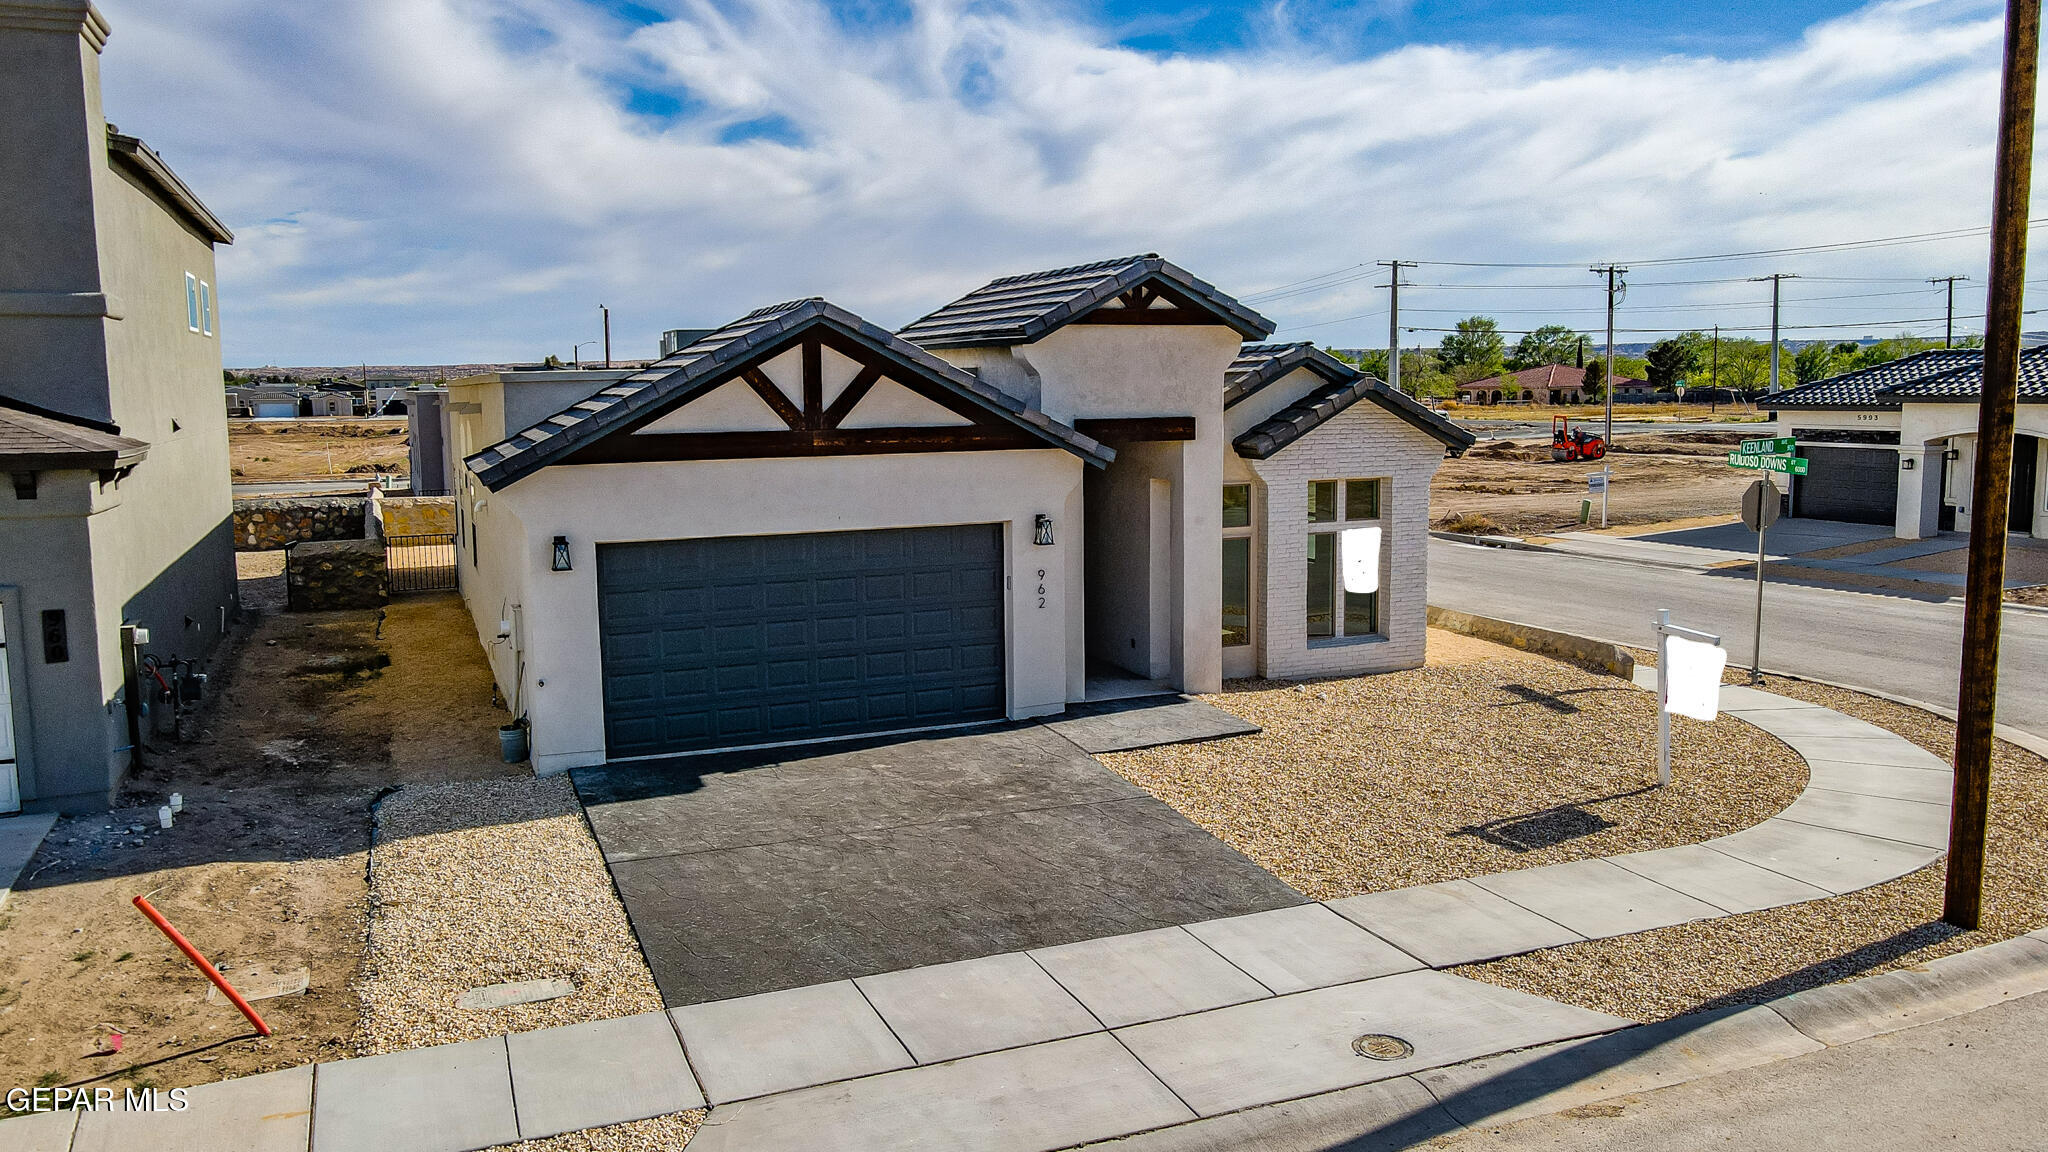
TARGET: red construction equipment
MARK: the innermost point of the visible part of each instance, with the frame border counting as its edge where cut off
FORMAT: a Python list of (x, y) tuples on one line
[(212, 973), (1568, 443)]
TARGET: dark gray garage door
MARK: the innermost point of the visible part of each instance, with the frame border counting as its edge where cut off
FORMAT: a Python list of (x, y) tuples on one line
[(757, 639), (1859, 485)]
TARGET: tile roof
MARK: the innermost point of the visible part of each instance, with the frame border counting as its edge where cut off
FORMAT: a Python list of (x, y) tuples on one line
[(1021, 309), (33, 438), (1868, 387), (713, 358), (1260, 364), (1966, 380)]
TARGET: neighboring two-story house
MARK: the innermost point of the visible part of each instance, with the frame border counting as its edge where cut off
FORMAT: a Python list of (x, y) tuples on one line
[(116, 517), (802, 526)]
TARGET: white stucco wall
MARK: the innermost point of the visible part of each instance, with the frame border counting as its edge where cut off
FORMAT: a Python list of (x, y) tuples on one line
[(1363, 442), (1121, 370), (612, 503)]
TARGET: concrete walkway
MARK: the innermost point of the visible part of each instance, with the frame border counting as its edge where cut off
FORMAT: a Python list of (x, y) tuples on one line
[(1054, 1047), (20, 836)]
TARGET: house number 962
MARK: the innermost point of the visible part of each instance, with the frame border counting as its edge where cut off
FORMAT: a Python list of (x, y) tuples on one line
[(1041, 587)]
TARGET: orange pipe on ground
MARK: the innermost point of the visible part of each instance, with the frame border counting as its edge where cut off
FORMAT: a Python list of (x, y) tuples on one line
[(212, 973)]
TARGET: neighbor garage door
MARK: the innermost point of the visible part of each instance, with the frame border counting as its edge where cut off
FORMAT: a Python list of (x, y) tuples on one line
[(1860, 485), (758, 639)]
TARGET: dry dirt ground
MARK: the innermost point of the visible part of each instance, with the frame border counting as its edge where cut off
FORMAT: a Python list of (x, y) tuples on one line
[(265, 869), (1486, 759), (1631, 412), (1514, 487), (1746, 959), (308, 449)]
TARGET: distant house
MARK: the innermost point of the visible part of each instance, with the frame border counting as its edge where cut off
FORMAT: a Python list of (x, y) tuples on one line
[(116, 518), (1548, 384), (1896, 443)]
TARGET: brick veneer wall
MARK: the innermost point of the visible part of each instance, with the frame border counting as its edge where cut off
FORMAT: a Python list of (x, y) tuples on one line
[(1364, 442)]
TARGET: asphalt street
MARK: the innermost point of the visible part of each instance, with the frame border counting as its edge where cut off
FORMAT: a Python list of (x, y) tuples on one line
[(1888, 642), (1974, 1083)]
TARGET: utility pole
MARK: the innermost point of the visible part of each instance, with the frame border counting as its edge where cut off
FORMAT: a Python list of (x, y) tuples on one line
[(1777, 280), (1613, 272), (607, 334), (1948, 330), (1977, 695), (1714, 375), (1393, 268)]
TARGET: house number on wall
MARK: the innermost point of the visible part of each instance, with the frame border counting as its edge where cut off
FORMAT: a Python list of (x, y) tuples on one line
[(1041, 587)]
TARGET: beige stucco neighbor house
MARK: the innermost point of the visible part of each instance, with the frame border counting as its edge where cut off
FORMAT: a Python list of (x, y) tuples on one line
[(113, 439), (1062, 486), (1897, 443)]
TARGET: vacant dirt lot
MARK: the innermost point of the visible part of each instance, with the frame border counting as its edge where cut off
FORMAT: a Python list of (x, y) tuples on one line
[(1514, 486), (264, 870), (1488, 759), (307, 449)]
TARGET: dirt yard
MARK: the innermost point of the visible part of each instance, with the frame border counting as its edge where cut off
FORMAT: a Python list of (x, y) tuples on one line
[(318, 714), (1762, 955), (1514, 487), (1485, 760), (310, 449)]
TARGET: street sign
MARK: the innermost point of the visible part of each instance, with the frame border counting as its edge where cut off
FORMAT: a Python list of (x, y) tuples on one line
[(1778, 447), (1789, 465), (1760, 506), (1596, 482)]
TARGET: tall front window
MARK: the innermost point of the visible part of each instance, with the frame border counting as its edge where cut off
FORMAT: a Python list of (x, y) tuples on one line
[(191, 302), (205, 308), (1237, 565), (1332, 610)]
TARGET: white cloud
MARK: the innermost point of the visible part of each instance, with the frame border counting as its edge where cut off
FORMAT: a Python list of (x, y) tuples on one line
[(422, 180)]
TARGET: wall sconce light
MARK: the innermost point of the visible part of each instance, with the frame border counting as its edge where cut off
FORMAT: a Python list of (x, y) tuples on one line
[(1952, 454), (1907, 463), (1041, 529), (561, 563)]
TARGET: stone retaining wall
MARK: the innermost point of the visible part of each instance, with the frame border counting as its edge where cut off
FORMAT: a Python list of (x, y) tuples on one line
[(418, 515), (265, 523), (1593, 655), (325, 574)]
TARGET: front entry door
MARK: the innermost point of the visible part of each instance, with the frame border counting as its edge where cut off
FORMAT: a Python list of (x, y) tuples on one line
[(10, 782)]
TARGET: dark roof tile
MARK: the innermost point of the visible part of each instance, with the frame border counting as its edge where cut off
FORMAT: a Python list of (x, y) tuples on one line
[(712, 359), (33, 438), (1021, 309), (1258, 365)]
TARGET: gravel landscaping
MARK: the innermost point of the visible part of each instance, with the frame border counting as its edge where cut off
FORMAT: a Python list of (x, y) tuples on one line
[(1485, 760), (661, 1134), (489, 882), (1745, 959)]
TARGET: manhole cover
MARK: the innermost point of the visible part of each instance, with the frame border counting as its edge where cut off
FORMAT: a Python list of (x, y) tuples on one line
[(1380, 1046)]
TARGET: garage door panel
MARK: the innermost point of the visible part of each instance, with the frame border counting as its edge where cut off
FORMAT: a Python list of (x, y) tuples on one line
[(777, 638), (1857, 485)]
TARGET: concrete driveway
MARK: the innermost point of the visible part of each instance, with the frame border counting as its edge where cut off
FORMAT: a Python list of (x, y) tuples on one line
[(753, 872)]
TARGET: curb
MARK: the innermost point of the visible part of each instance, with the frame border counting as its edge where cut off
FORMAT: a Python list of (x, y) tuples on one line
[(1514, 543), (1543, 1081), (1597, 655)]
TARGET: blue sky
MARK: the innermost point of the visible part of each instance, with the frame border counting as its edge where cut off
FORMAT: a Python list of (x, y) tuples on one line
[(455, 180)]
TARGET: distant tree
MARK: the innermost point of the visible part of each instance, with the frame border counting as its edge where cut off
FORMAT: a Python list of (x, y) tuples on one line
[(1595, 384), (1814, 362), (1745, 364), (1477, 342), (553, 361), (1550, 344), (1671, 360)]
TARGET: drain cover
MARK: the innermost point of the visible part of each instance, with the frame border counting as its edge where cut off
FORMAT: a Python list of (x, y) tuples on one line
[(1380, 1046)]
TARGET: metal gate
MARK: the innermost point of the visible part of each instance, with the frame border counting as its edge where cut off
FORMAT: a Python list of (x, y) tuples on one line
[(422, 563)]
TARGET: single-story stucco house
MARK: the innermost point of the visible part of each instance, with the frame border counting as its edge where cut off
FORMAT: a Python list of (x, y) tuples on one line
[(801, 526), (1897, 443)]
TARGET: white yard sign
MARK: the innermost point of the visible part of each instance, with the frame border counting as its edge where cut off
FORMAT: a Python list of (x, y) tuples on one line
[(1359, 551)]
